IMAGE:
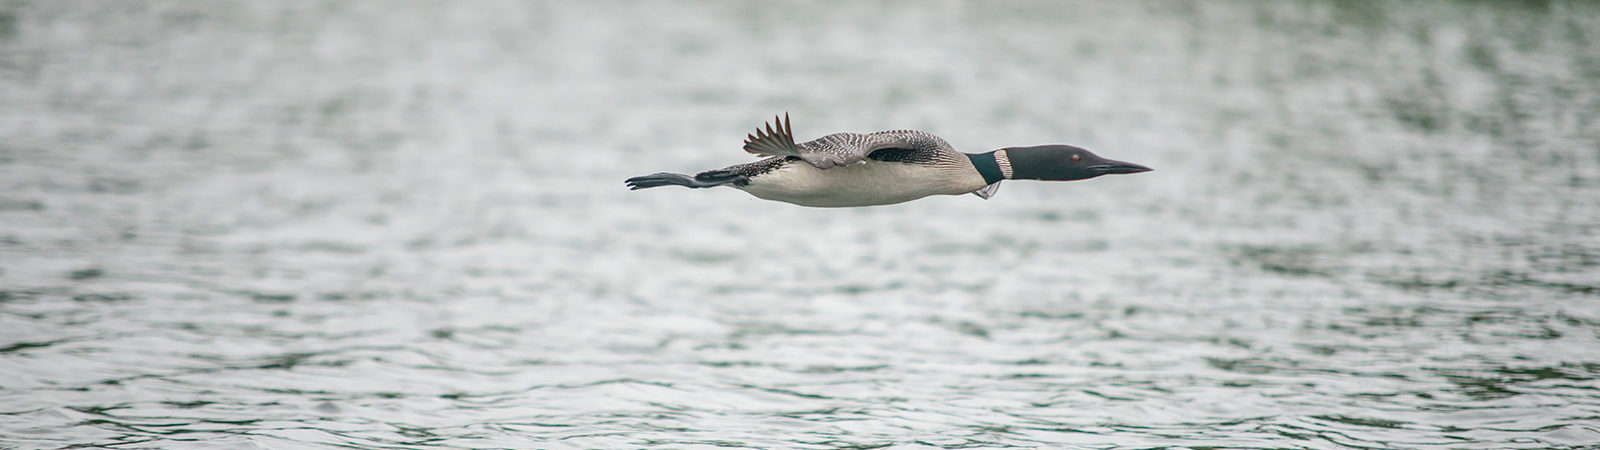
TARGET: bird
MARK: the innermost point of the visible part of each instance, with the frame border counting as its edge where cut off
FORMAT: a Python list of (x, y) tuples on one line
[(883, 168)]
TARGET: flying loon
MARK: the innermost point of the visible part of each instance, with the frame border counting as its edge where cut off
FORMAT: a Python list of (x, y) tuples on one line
[(883, 168)]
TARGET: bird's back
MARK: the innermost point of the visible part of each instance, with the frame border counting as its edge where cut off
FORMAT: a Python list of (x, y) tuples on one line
[(908, 165)]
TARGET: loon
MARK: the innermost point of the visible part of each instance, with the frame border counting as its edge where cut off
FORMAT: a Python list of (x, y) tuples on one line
[(883, 168)]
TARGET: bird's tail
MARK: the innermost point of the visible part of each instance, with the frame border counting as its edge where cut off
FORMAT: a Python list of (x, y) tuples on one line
[(710, 178)]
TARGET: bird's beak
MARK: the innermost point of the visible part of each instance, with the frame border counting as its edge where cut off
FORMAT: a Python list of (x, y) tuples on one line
[(1117, 167)]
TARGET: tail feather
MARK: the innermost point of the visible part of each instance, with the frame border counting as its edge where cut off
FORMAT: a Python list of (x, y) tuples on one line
[(706, 179)]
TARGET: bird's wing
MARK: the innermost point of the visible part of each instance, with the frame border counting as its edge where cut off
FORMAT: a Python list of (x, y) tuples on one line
[(849, 148), (773, 141), (987, 191), (837, 149)]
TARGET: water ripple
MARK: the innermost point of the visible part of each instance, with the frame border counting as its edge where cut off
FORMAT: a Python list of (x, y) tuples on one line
[(311, 225)]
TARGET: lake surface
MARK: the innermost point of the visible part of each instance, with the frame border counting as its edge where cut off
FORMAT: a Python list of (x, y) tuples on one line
[(403, 225)]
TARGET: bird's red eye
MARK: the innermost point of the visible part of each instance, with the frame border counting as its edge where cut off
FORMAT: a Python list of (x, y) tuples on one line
[(1076, 157)]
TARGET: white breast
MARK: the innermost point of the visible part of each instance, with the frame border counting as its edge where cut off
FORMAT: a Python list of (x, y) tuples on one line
[(866, 184)]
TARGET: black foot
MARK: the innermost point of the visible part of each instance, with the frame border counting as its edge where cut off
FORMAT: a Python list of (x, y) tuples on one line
[(706, 179), (660, 179)]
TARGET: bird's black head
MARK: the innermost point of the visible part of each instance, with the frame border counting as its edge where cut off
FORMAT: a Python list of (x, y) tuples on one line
[(1063, 163)]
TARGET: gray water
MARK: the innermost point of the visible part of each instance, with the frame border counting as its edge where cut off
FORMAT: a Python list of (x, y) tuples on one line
[(387, 224)]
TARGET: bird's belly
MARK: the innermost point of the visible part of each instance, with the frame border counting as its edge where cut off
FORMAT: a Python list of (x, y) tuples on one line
[(872, 183)]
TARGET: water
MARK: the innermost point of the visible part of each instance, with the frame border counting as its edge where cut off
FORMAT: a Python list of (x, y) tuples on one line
[(403, 225)]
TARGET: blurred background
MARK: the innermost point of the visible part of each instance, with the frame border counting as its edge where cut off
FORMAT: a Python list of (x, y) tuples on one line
[(403, 225)]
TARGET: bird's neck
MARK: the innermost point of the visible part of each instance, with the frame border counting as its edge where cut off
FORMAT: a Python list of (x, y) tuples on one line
[(994, 166)]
